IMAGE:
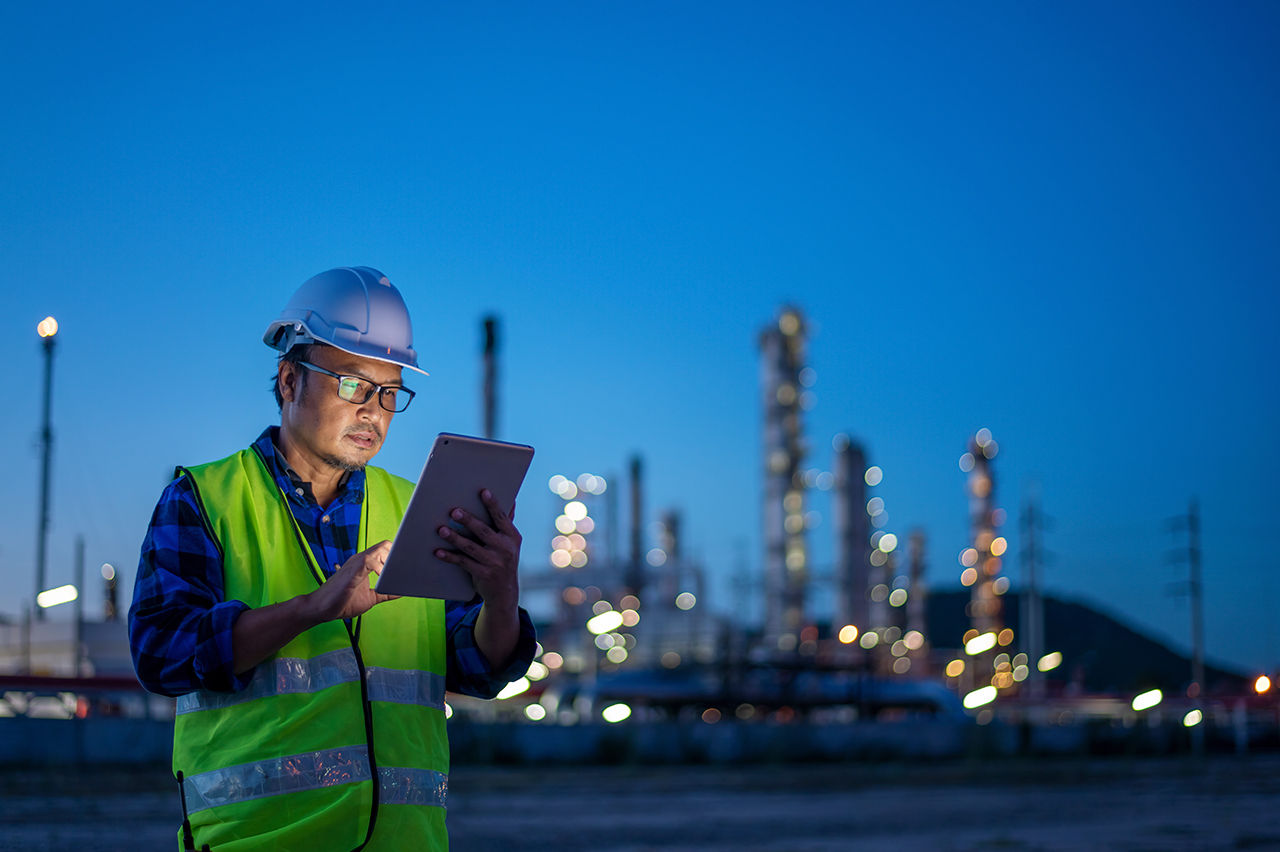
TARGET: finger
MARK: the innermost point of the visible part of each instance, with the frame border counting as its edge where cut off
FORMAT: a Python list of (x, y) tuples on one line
[(479, 530), (501, 521), (471, 548)]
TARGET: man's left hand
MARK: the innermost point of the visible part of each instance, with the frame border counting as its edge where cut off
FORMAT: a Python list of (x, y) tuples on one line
[(489, 552)]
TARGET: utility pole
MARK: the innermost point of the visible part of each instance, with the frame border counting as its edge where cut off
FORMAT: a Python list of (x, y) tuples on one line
[(490, 376), (47, 328), (1032, 604), (1195, 591)]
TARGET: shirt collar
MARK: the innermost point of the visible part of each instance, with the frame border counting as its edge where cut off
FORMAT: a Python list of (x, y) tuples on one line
[(351, 487)]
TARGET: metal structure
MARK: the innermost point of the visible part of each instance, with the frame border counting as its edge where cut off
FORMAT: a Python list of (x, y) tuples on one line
[(853, 529), (47, 329), (490, 390), (786, 568)]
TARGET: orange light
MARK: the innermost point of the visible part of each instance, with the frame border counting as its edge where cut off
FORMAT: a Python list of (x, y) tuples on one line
[(1262, 684)]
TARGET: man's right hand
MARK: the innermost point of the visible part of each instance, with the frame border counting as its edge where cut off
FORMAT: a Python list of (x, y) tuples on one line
[(347, 593)]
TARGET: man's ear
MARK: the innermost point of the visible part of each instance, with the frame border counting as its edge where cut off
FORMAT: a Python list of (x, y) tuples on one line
[(289, 380)]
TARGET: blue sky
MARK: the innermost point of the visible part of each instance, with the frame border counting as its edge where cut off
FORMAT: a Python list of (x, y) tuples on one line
[(1055, 221)]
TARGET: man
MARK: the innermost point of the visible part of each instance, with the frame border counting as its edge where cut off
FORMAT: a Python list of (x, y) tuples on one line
[(311, 708)]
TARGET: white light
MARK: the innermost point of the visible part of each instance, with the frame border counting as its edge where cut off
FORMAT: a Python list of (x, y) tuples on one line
[(980, 643), (873, 475), (575, 510), (537, 671), (686, 600), (556, 483), (516, 687), (1147, 700), (888, 542), (656, 557), (47, 327), (1050, 661), (535, 712), (60, 595), (1193, 718), (108, 571), (605, 622), (979, 697), (615, 713)]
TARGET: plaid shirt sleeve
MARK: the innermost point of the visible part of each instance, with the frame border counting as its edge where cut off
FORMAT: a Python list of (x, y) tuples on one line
[(469, 672), (179, 624)]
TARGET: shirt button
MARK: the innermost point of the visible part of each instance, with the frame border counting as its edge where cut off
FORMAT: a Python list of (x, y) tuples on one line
[(336, 566), (325, 519), (298, 491)]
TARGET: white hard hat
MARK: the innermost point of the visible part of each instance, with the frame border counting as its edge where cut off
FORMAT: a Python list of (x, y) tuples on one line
[(355, 308)]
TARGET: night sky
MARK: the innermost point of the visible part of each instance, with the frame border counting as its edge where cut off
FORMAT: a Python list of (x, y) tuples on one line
[(1055, 221)]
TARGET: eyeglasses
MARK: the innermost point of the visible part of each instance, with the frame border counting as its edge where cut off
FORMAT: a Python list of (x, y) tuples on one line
[(357, 391)]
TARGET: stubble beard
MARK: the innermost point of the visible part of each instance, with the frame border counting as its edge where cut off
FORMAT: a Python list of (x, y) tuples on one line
[(348, 465)]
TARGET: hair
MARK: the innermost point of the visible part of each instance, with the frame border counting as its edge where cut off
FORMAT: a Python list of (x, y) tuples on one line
[(301, 352)]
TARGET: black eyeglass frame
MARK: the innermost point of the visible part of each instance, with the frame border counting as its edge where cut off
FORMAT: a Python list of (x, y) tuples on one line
[(373, 388)]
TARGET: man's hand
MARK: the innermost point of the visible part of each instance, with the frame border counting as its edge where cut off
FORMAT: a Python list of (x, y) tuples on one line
[(347, 594), (489, 552)]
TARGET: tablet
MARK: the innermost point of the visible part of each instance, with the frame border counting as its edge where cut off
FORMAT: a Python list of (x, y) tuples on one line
[(458, 467)]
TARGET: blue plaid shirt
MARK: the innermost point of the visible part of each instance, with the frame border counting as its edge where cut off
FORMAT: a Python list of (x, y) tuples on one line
[(180, 621)]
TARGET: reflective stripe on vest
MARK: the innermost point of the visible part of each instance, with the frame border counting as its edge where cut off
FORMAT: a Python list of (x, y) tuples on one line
[(311, 771), (290, 675)]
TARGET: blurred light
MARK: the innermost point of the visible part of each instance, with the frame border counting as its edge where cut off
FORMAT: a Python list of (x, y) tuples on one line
[(1006, 636), (573, 596), (616, 713), (824, 481), (670, 660), (537, 671), (1002, 680), (560, 558), (914, 639), (879, 592), (605, 641), (656, 557), (535, 712), (514, 688), (560, 542), (601, 486), (979, 697), (1262, 684), (578, 558), (966, 462), (1147, 700), (616, 654), (47, 327), (969, 557), (568, 490), (711, 715), (630, 618), (605, 622), (902, 665), (565, 524), (629, 602), (980, 643), (848, 634), (1000, 585), (983, 437), (808, 376), (999, 545), (585, 525), (897, 597), (1193, 718), (576, 542), (60, 595), (789, 323), (575, 510), (875, 506), (991, 449), (786, 394), (1050, 661), (556, 483), (1020, 673), (552, 660), (686, 601), (600, 606), (448, 711), (878, 557), (873, 475), (968, 577), (586, 482), (869, 639), (969, 634), (955, 668), (888, 542)]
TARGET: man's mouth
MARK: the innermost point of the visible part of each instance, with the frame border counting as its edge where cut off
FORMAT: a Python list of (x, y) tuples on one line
[(363, 440)]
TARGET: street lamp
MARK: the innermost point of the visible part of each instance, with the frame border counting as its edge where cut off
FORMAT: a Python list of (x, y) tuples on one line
[(47, 328)]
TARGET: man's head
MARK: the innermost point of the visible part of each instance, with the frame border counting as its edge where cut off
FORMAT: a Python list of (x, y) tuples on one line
[(343, 337)]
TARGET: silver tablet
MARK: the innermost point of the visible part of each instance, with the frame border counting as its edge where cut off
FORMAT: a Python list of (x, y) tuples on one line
[(457, 469)]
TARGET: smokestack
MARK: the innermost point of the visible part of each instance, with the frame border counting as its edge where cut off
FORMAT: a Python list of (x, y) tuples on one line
[(490, 376), (635, 567), (853, 545)]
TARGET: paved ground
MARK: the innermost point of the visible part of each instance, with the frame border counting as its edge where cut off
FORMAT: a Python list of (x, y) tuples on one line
[(1115, 804)]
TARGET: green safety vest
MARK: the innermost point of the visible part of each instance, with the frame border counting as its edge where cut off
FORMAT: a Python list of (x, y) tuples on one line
[(340, 737)]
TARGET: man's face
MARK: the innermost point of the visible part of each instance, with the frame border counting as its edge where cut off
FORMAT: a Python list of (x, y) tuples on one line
[(325, 428)]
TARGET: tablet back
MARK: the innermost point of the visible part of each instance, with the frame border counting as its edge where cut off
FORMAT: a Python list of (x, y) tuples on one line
[(457, 469)]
